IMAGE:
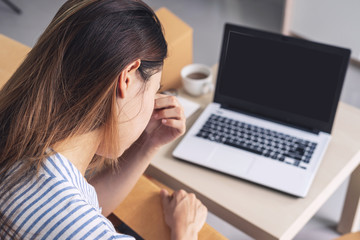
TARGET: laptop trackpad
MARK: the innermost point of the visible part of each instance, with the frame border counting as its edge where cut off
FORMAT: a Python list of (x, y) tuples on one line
[(231, 161)]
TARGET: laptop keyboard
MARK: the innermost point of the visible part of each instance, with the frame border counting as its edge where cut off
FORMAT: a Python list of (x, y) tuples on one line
[(258, 140)]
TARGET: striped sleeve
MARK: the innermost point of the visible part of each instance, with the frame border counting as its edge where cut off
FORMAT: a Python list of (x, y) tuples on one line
[(56, 210), (58, 203)]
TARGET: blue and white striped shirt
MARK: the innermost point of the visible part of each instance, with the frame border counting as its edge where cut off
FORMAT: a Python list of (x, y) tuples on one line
[(57, 204)]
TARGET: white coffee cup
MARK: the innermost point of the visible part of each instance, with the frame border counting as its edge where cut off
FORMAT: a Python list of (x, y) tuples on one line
[(197, 79)]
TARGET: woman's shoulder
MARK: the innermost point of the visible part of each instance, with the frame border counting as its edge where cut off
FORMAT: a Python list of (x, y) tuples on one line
[(64, 174)]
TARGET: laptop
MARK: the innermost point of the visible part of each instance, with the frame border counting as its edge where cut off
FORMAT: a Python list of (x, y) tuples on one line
[(273, 110)]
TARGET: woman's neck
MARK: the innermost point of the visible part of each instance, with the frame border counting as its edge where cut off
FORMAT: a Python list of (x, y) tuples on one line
[(80, 150)]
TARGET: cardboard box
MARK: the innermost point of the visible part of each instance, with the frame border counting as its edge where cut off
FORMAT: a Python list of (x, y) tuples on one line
[(179, 37), (12, 54)]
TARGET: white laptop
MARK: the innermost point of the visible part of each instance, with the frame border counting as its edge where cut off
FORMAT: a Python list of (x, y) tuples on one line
[(273, 110)]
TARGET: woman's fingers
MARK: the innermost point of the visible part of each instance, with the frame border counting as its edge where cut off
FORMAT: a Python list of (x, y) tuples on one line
[(180, 195), (171, 113), (164, 101), (176, 124), (167, 122), (164, 194), (174, 113)]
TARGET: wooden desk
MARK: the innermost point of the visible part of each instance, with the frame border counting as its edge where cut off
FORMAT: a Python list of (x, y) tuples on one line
[(261, 212)]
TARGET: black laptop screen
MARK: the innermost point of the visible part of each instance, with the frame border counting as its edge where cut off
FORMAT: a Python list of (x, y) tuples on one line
[(278, 77)]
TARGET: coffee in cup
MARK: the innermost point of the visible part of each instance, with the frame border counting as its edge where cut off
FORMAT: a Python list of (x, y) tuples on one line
[(197, 79), (197, 75)]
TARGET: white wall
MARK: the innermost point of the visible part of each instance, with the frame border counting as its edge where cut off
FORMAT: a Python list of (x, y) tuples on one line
[(330, 21)]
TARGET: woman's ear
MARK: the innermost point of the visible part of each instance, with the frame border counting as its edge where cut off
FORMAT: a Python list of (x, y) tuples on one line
[(127, 77)]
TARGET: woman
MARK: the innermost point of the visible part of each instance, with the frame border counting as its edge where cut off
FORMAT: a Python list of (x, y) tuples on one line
[(86, 95)]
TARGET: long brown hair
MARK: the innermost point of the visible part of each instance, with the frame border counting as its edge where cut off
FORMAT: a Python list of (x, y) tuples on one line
[(67, 84)]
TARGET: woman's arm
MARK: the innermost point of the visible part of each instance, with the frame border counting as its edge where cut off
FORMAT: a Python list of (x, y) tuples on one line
[(112, 186)]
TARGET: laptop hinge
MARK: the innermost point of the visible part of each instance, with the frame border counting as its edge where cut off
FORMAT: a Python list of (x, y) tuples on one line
[(303, 128)]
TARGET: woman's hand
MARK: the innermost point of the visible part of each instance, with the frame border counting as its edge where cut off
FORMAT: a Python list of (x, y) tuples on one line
[(184, 214), (167, 121)]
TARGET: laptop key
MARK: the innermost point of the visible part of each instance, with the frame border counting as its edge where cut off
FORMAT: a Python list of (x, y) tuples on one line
[(243, 147)]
